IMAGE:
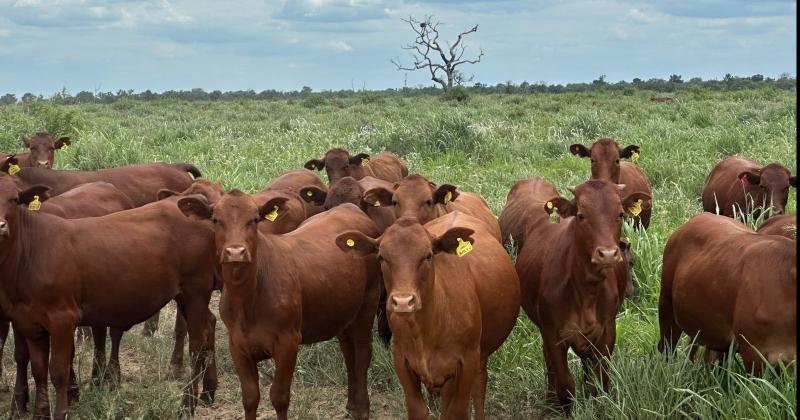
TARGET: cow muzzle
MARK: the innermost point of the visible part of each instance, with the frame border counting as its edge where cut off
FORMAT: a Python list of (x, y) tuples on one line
[(3, 228), (404, 302), (235, 254), (42, 163), (607, 256)]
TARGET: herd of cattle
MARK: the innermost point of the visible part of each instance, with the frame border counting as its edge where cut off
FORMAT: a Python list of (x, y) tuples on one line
[(302, 262)]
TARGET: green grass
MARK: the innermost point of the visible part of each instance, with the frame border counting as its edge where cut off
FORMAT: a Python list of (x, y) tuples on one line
[(483, 145)]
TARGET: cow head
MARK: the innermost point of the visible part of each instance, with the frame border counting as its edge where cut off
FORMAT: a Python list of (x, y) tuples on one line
[(597, 212), (338, 164), (414, 196), (11, 198), (605, 155), (42, 149), (235, 218), (212, 191), (770, 184), (345, 190), (406, 253)]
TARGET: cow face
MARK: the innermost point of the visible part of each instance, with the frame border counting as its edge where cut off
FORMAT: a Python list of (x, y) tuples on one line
[(605, 155), (338, 164), (406, 253), (598, 211), (42, 149), (770, 184), (414, 196), (235, 217), (11, 198), (345, 190)]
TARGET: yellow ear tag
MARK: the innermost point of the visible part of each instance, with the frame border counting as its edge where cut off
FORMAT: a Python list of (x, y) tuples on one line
[(377, 203), (550, 205), (13, 169), (635, 156), (64, 147), (464, 247), (448, 197), (364, 162), (271, 216), (636, 208), (35, 204), (351, 243)]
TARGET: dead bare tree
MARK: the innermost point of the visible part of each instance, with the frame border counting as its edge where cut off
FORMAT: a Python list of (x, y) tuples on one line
[(428, 53)]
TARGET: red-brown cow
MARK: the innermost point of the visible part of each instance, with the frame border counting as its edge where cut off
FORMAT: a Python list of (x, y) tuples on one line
[(453, 300), (724, 284), (338, 164), (736, 180), (570, 274), (281, 291), (114, 270), (294, 181), (605, 155), (417, 197), (42, 148), (351, 190), (525, 198), (139, 182), (784, 225)]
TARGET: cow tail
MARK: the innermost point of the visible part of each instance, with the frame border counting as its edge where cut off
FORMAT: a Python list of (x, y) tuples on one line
[(191, 170)]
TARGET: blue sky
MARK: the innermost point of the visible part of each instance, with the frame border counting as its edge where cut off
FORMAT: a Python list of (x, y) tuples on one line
[(338, 44)]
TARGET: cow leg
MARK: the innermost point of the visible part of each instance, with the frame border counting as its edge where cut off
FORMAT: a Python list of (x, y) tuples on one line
[(457, 391), (750, 357), (21, 391), (479, 391), (113, 362), (62, 350), (384, 331), (357, 355), (176, 361), (415, 403), (99, 365), (669, 330), (210, 379), (563, 384), (247, 371), (201, 346), (151, 325), (285, 356), (4, 325), (39, 349)]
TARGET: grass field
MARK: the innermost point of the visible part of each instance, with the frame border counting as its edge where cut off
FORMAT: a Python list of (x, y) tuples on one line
[(482, 145)]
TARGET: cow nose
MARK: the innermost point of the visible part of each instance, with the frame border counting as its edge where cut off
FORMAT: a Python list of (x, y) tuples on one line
[(777, 211), (606, 256), (43, 163), (236, 253), (404, 302)]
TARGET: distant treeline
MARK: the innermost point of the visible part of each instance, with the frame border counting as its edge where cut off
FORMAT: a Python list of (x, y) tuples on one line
[(673, 84)]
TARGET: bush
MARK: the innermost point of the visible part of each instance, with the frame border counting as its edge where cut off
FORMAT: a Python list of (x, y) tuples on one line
[(458, 94)]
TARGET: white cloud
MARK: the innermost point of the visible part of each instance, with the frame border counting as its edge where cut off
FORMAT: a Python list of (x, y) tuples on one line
[(340, 46)]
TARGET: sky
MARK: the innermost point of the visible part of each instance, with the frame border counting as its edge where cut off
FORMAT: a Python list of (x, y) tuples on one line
[(106, 45)]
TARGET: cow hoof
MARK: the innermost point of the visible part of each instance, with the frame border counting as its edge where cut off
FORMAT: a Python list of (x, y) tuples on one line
[(207, 397), (177, 372)]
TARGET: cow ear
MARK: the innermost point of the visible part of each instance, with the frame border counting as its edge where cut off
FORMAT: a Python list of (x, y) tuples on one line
[(63, 141), (359, 159), (378, 197), (793, 181), (454, 238), (634, 203), (26, 141), (272, 209), (357, 242), (314, 164), (9, 162), (165, 193), (628, 151), (750, 177), (36, 192), (445, 194), (562, 206), (313, 195), (579, 150), (195, 207)]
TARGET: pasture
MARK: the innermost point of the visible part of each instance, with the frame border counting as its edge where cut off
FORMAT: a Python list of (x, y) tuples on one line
[(482, 145)]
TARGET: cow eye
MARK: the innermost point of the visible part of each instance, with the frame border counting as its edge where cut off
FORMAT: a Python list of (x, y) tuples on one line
[(592, 160), (580, 217), (429, 257), (617, 161), (429, 202), (214, 220), (621, 215), (394, 203)]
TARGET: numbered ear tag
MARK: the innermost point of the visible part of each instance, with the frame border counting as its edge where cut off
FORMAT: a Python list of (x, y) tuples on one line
[(364, 162), (35, 204), (309, 193), (64, 147), (377, 203), (634, 156), (448, 197), (636, 208), (271, 216), (351, 243), (13, 169), (550, 205), (464, 247)]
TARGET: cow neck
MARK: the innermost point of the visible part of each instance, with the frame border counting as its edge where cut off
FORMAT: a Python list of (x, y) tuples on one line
[(16, 253), (422, 321), (243, 282)]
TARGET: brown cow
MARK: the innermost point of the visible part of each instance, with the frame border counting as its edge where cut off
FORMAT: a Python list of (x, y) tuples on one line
[(784, 225), (572, 276), (294, 181), (114, 270), (415, 196), (525, 198), (88, 200), (605, 155), (281, 291), (42, 148), (139, 182), (351, 190), (735, 178), (338, 164), (724, 284), (453, 300)]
